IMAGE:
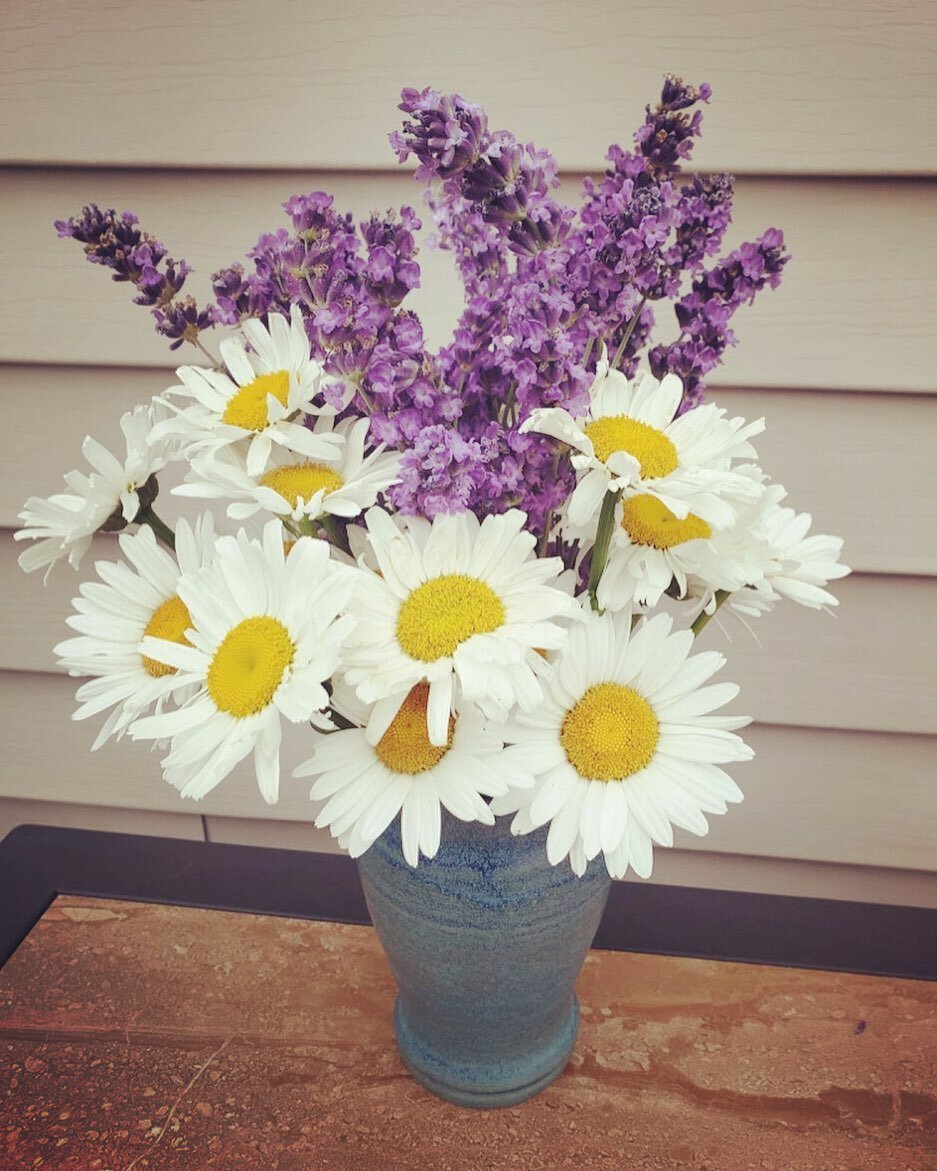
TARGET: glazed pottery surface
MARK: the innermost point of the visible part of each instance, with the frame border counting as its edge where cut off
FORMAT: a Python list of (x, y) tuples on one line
[(485, 942)]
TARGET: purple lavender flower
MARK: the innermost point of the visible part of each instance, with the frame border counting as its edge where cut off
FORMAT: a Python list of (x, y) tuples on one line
[(545, 286), (530, 318), (116, 242), (704, 211), (507, 184), (666, 138), (438, 473), (518, 349), (445, 133), (391, 271), (445, 470), (351, 297), (705, 312), (238, 296), (350, 301), (529, 472), (479, 249), (182, 321), (510, 186), (627, 222)]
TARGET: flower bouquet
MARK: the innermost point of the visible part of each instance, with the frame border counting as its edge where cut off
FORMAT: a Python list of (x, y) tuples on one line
[(476, 575)]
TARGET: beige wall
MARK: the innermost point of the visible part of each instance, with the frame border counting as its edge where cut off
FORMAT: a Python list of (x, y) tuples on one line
[(829, 121)]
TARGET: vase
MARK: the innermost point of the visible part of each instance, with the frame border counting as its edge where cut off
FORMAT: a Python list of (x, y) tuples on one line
[(485, 942)]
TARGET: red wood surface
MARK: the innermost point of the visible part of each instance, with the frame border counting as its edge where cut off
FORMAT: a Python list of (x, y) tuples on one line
[(145, 1036)]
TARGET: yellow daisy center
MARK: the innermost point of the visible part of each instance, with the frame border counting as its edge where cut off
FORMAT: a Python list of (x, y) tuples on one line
[(297, 482), (649, 522), (405, 746), (444, 612), (249, 666), (170, 621), (610, 733), (650, 447), (248, 408)]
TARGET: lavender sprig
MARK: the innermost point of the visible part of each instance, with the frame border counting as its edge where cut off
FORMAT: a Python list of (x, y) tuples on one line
[(704, 211), (666, 137), (507, 184), (445, 133), (183, 321), (627, 221), (705, 312), (116, 242)]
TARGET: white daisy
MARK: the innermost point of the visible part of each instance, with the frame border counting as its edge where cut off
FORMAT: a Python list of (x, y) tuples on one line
[(116, 613), (365, 786), (651, 549), (797, 566), (782, 560), (257, 401), (460, 605), (623, 746), (265, 634), (298, 488), (108, 499), (629, 441)]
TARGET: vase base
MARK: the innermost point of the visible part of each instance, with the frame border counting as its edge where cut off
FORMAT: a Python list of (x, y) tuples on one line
[(491, 1085)]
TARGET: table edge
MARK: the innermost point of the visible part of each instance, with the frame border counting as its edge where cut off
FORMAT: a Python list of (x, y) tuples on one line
[(38, 863)]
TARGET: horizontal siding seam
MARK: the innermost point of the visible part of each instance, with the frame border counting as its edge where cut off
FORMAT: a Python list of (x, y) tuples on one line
[(145, 167)]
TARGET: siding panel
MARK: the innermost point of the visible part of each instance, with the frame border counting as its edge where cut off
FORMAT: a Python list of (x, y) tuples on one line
[(675, 867), (813, 794), (855, 311), (14, 812), (784, 876), (868, 666), (826, 448), (317, 85)]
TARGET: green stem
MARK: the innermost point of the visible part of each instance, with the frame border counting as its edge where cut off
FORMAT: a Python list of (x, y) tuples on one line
[(508, 410), (362, 394), (333, 532), (146, 516), (603, 536), (628, 332), (702, 618), (545, 538)]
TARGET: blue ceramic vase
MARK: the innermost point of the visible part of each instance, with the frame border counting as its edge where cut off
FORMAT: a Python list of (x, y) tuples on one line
[(485, 942)]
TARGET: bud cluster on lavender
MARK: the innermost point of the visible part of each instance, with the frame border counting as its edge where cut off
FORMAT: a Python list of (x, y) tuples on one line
[(548, 288), (478, 248), (183, 321), (666, 138), (507, 184), (705, 312), (116, 242), (446, 133), (704, 212)]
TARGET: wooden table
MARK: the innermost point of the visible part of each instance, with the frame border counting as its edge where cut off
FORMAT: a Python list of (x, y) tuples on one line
[(139, 1029)]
